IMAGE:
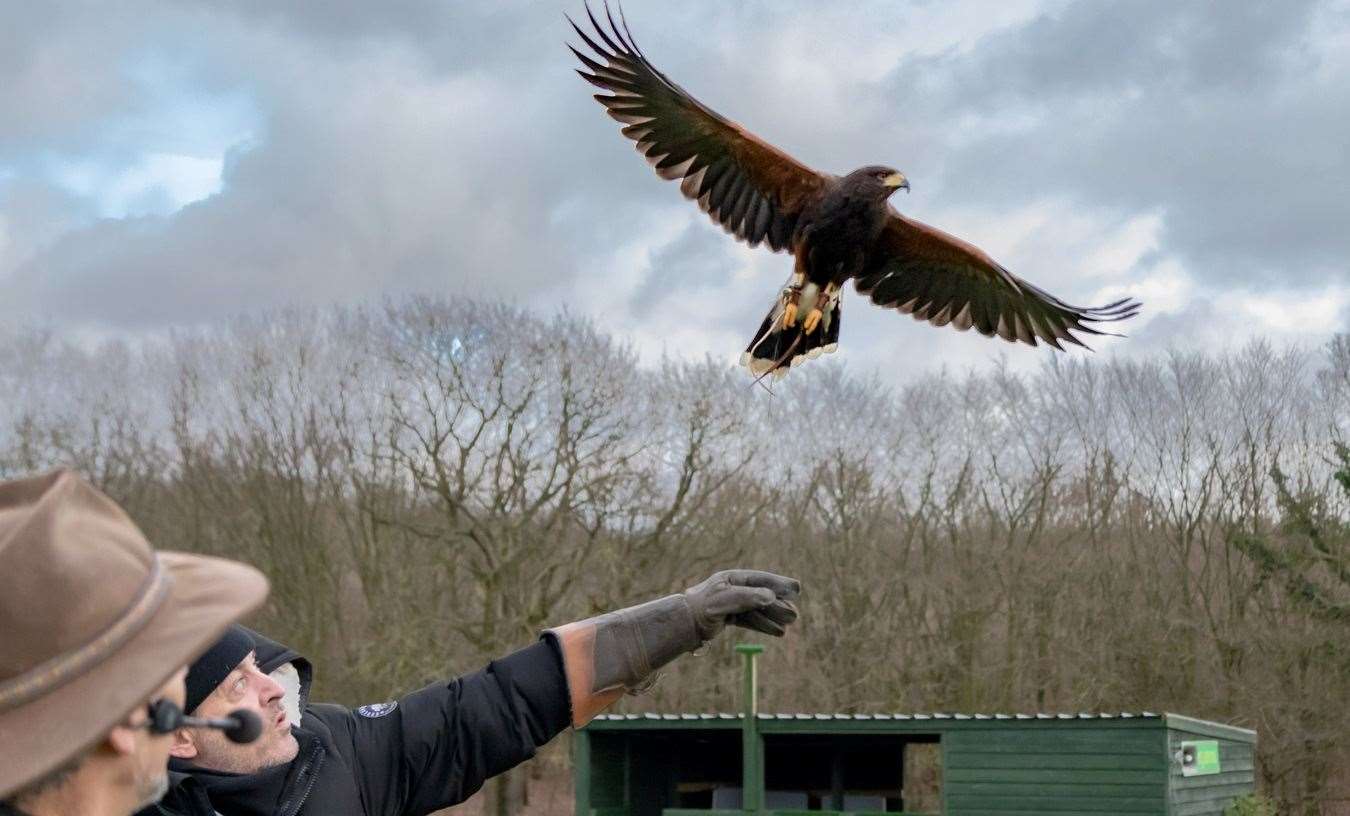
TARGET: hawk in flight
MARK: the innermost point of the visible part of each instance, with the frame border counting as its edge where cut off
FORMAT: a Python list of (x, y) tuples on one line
[(836, 227)]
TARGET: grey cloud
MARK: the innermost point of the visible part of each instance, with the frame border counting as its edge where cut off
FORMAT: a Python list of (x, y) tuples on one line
[(343, 207), (1212, 116), (686, 265), (57, 73), (1146, 44), (32, 215), (1192, 326)]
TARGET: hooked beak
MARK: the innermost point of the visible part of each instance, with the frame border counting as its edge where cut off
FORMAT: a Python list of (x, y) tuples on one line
[(896, 181)]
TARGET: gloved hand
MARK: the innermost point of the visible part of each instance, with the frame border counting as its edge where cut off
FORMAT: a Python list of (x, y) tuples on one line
[(755, 600), (605, 656)]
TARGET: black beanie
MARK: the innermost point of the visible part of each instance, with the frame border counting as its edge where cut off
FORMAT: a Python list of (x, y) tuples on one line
[(209, 670)]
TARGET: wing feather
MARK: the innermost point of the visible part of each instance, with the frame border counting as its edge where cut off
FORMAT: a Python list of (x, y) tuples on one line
[(749, 187), (923, 271)]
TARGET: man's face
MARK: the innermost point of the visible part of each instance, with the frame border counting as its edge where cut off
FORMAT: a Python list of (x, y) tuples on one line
[(248, 688)]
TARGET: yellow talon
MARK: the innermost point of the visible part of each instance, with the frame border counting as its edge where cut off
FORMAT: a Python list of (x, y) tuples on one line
[(812, 320), (789, 314)]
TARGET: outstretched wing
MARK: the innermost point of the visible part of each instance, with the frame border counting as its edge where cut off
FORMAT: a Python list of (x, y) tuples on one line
[(924, 272), (751, 188)]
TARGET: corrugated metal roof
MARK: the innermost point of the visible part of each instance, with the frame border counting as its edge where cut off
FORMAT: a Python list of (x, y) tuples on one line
[(1104, 715)]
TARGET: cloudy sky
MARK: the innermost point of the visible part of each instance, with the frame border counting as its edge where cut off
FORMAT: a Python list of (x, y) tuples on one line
[(166, 164)]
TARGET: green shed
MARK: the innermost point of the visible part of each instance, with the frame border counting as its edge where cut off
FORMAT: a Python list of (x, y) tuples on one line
[(953, 764)]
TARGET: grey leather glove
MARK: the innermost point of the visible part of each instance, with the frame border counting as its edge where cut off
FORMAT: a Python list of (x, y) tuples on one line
[(605, 656), (755, 600)]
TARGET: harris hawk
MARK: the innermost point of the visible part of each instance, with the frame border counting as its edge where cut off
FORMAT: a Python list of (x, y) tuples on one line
[(836, 227)]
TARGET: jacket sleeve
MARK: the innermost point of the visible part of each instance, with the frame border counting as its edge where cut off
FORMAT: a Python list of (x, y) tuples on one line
[(437, 746)]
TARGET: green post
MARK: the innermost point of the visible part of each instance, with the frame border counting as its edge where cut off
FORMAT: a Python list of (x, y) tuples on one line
[(581, 752), (752, 759)]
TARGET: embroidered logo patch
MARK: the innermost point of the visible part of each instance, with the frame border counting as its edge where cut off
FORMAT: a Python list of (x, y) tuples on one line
[(376, 709)]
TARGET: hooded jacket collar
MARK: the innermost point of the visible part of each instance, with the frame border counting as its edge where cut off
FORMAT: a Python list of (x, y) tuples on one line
[(288, 667)]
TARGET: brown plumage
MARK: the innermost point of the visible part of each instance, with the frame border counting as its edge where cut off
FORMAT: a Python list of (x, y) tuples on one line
[(836, 228)]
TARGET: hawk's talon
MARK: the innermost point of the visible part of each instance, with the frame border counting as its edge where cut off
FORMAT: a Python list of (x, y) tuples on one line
[(790, 297), (812, 320)]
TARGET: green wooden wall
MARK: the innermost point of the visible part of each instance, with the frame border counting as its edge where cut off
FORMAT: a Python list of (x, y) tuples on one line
[(1208, 795), (602, 772), (1055, 770)]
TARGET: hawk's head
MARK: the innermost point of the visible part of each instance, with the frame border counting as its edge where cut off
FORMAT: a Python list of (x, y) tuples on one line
[(877, 179)]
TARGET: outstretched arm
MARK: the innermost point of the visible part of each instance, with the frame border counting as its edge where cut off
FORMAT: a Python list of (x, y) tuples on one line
[(437, 746)]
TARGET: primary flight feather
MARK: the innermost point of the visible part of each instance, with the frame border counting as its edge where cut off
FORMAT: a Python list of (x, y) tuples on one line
[(836, 227)]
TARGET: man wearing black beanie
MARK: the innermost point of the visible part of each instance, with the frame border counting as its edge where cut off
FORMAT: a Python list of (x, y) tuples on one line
[(224, 679), (435, 747)]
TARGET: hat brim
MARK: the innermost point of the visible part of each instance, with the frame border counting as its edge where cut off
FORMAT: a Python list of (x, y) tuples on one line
[(206, 596)]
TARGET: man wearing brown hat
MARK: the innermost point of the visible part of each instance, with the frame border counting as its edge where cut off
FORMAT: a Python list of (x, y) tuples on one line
[(97, 631), (436, 746)]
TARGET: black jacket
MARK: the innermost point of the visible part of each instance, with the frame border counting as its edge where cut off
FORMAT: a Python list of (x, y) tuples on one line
[(431, 749)]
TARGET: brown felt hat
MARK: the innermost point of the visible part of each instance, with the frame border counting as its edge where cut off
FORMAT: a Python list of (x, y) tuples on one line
[(92, 620)]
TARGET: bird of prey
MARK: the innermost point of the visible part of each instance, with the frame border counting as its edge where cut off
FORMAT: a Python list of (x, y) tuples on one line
[(836, 227)]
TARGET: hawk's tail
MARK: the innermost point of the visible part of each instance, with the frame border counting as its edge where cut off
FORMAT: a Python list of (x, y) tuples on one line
[(777, 348)]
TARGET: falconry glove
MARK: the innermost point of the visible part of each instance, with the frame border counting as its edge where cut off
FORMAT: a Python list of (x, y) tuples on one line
[(618, 652)]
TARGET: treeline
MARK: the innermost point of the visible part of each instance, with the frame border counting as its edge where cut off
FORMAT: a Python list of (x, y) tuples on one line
[(430, 483)]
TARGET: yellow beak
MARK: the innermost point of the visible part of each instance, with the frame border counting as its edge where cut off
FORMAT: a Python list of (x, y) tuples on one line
[(896, 180)]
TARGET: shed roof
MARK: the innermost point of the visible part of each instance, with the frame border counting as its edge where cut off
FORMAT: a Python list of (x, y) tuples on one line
[(1124, 715), (923, 723)]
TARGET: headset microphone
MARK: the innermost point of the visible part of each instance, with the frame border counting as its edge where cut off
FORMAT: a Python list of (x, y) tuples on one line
[(240, 725)]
